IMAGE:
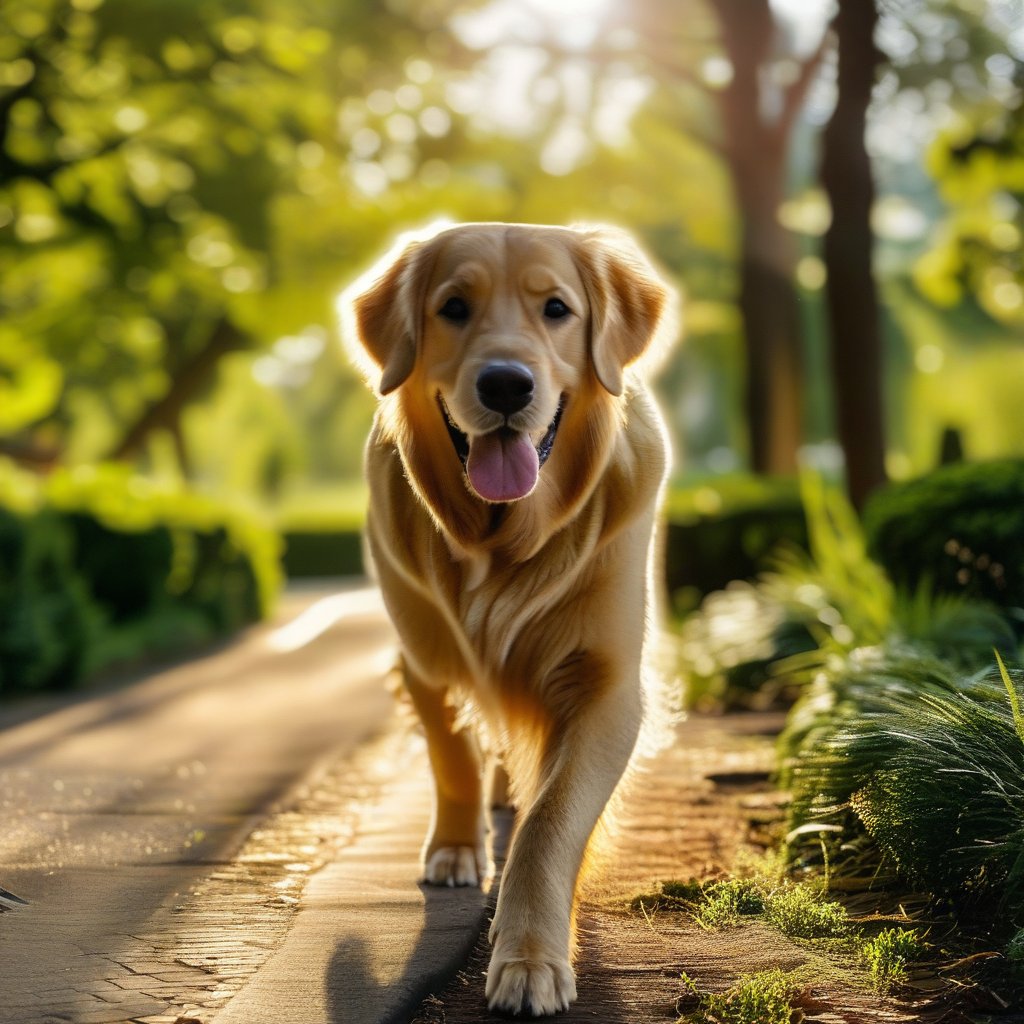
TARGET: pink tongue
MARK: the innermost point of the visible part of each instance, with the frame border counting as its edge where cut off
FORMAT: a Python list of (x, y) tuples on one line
[(502, 465)]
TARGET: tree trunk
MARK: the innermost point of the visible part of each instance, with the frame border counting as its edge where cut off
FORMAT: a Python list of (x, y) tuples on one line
[(852, 299), (771, 325), (755, 149)]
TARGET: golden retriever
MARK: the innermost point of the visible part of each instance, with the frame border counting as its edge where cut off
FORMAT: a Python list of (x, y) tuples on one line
[(515, 465)]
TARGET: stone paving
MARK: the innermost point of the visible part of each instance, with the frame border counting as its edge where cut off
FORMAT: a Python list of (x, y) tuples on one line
[(199, 950)]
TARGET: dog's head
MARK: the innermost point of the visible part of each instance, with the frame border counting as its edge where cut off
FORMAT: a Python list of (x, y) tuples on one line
[(502, 327)]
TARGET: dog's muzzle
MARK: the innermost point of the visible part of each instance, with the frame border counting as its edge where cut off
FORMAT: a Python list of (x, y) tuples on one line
[(503, 464)]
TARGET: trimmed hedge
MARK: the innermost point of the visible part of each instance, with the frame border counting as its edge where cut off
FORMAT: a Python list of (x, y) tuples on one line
[(716, 532), (960, 529), (323, 552), (46, 612), (725, 529), (98, 567)]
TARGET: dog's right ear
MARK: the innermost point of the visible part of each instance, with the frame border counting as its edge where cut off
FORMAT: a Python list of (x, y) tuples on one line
[(384, 314)]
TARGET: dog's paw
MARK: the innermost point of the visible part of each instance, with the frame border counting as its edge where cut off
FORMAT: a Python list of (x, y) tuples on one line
[(530, 988), (455, 865)]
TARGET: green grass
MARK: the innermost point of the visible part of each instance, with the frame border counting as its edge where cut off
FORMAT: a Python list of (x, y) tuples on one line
[(801, 912), (889, 954), (724, 903), (671, 896), (762, 998)]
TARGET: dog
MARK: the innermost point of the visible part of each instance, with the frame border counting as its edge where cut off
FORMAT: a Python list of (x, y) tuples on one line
[(515, 465)]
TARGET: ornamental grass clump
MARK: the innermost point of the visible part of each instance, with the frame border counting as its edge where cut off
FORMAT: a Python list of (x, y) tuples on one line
[(931, 763)]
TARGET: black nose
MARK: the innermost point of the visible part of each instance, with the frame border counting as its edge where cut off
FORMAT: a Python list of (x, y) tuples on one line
[(505, 387)]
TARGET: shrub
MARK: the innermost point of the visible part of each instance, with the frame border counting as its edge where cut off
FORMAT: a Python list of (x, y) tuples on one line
[(322, 532), (46, 612), (961, 528), (751, 643), (725, 529), (931, 763), (98, 566), (328, 552), (217, 552)]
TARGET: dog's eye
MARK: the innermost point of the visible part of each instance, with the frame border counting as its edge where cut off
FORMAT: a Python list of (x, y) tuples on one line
[(556, 309), (455, 309)]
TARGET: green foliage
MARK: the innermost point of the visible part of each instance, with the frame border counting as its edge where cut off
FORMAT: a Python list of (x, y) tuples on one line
[(752, 642), (960, 529), (728, 649), (724, 903), (1015, 949), (725, 529), (765, 997), (673, 895), (198, 545), (801, 912), (46, 613), (835, 588), (826, 599), (978, 166), (889, 954), (1014, 695), (930, 762), (98, 567)]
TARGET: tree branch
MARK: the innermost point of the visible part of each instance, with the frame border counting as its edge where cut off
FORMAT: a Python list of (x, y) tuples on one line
[(165, 411)]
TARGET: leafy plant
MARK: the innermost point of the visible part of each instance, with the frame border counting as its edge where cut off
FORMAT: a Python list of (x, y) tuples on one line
[(724, 903), (961, 528), (802, 913), (931, 763), (765, 997), (888, 955)]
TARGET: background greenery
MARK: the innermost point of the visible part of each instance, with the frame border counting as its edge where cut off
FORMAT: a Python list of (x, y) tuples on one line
[(186, 186)]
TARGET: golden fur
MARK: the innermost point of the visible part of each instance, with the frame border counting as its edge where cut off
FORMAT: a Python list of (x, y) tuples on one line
[(535, 610)]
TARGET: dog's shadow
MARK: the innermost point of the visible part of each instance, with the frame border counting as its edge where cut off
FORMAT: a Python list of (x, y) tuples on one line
[(384, 977)]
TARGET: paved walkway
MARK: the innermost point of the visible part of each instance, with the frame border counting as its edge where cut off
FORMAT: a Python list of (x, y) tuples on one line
[(237, 841), (126, 816)]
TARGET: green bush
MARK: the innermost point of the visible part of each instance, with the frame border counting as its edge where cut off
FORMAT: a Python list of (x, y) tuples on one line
[(323, 532), (960, 529), (765, 997), (100, 567), (46, 613), (329, 552), (725, 530), (929, 761)]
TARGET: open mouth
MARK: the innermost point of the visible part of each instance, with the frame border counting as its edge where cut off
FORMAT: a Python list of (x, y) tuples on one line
[(502, 465)]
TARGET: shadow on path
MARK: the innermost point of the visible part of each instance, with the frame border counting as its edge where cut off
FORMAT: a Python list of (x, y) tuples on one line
[(378, 982), (384, 979)]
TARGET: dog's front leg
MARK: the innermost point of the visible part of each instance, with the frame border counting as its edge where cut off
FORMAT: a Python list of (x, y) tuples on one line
[(532, 932), (454, 852)]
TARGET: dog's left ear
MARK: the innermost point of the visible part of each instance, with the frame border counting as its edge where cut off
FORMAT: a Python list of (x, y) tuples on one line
[(628, 302), (385, 308)]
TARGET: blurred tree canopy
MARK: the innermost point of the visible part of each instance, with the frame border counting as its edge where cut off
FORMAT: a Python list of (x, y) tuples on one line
[(159, 166), (186, 184)]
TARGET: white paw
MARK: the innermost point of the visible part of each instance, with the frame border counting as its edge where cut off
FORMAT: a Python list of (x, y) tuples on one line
[(533, 988), (455, 865)]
